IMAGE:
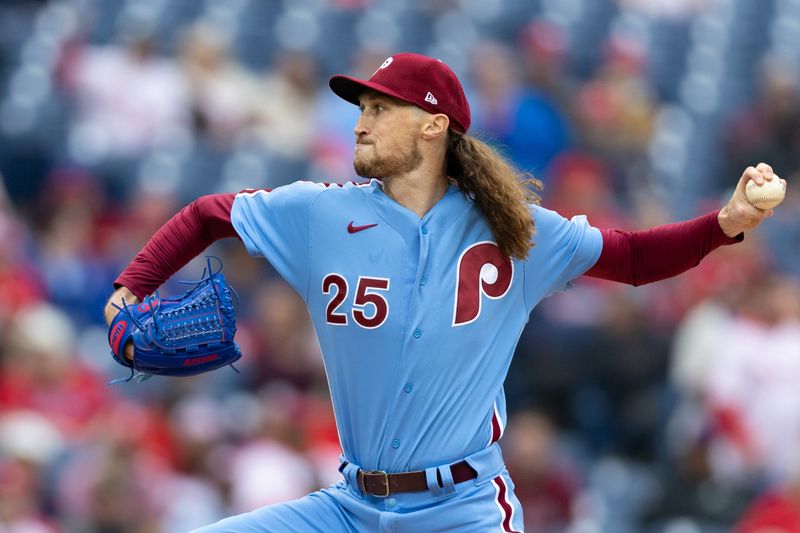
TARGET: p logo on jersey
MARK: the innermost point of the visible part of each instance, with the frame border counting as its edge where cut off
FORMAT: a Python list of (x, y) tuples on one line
[(482, 271)]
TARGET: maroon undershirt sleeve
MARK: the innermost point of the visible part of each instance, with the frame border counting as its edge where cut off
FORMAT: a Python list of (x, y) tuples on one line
[(177, 242), (639, 257)]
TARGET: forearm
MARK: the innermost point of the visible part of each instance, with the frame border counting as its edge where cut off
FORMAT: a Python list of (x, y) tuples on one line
[(177, 242), (662, 252)]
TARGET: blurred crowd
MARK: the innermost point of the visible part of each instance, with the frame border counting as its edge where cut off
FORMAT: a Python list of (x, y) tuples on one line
[(665, 408)]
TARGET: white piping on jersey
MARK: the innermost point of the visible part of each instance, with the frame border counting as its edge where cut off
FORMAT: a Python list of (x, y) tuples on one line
[(320, 184), (328, 185), (250, 192)]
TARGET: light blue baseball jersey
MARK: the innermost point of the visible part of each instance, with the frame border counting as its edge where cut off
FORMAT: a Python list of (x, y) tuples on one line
[(417, 318)]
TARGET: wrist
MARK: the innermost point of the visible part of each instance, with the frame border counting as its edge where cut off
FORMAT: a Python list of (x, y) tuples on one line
[(725, 222), (123, 293)]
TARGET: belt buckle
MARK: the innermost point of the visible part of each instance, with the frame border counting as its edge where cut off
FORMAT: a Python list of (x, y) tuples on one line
[(363, 487)]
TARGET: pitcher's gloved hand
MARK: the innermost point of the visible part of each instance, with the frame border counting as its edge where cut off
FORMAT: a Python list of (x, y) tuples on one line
[(181, 336)]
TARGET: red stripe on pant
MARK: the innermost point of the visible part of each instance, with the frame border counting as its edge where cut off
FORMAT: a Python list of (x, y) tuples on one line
[(504, 504)]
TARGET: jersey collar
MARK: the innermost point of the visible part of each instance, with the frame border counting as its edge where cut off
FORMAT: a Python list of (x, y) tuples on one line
[(435, 222)]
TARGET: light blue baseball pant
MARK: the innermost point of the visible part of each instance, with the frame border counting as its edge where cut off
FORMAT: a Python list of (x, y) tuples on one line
[(484, 504)]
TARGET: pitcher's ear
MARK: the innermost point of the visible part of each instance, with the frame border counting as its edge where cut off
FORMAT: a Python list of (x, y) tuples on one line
[(435, 126)]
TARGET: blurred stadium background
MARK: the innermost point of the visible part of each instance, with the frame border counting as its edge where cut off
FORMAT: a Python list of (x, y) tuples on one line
[(667, 408)]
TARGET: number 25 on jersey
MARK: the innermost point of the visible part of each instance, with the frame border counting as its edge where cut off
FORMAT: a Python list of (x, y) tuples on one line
[(481, 271), (370, 308)]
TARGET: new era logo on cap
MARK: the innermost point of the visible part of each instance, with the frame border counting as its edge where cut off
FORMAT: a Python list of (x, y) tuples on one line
[(415, 79)]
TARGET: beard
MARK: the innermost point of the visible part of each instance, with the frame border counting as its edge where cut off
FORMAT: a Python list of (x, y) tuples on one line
[(394, 164)]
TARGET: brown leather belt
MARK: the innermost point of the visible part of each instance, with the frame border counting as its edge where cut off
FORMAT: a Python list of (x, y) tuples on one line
[(381, 484)]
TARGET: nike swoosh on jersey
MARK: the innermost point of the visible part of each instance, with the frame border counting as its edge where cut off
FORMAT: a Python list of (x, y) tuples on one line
[(355, 229)]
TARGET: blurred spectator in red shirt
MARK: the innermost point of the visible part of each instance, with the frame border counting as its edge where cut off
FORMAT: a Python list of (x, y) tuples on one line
[(582, 185), (28, 444), (545, 482), (18, 285), (616, 110), (39, 371), (773, 512)]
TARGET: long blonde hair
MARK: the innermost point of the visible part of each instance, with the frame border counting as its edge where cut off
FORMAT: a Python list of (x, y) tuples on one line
[(500, 191)]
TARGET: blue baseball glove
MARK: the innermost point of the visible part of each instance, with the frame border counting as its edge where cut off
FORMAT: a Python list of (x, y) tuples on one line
[(181, 336)]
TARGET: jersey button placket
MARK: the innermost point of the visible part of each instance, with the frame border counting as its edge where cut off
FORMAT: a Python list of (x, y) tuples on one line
[(408, 388), (417, 333), (395, 444), (424, 244)]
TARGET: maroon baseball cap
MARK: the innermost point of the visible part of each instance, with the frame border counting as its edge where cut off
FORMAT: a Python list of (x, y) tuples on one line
[(423, 81)]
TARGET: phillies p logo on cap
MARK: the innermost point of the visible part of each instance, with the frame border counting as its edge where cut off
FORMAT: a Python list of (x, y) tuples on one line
[(419, 80)]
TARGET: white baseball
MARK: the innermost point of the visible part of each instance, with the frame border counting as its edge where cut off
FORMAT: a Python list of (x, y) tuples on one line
[(765, 196)]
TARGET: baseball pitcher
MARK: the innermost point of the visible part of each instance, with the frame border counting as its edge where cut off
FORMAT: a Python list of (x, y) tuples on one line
[(419, 282)]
